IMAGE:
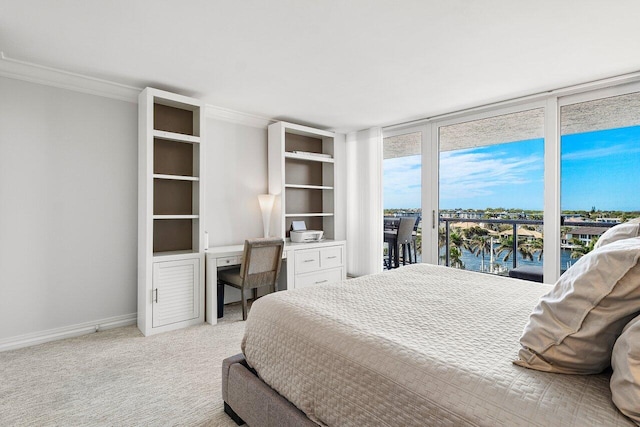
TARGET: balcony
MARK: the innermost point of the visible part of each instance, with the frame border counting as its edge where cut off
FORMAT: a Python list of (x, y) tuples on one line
[(500, 245)]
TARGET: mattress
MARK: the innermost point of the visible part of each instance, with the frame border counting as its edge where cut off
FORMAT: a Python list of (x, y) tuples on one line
[(420, 345)]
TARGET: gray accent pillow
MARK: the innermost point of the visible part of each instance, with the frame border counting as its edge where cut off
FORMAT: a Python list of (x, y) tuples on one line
[(573, 328), (625, 380)]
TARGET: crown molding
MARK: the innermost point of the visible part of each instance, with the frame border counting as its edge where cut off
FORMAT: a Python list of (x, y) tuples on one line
[(245, 119), (35, 73)]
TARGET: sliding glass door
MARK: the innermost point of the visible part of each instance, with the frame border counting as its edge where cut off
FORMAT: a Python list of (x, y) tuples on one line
[(509, 186), (491, 192), (402, 191)]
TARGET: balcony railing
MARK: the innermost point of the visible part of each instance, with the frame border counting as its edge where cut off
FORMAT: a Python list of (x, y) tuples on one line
[(515, 223)]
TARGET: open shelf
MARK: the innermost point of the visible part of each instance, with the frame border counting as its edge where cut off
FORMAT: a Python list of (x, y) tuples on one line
[(175, 216), (174, 197), (292, 215), (173, 158), (175, 177), (302, 169), (173, 136), (176, 185), (307, 157), (312, 222), (300, 172), (175, 117), (171, 233), (309, 187)]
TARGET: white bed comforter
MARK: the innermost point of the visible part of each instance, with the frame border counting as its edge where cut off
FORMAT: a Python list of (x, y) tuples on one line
[(418, 346)]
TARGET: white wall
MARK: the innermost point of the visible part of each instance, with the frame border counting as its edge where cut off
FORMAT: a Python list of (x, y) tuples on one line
[(68, 205), (236, 164), (68, 208)]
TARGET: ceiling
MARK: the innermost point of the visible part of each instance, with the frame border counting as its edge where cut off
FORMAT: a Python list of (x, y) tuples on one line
[(341, 65)]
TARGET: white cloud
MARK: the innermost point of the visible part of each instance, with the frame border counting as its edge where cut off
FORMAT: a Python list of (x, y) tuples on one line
[(467, 174), (597, 153), (464, 174), (402, 175)]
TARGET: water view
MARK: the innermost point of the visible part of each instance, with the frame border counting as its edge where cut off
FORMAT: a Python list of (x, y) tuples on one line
[(483, 180)]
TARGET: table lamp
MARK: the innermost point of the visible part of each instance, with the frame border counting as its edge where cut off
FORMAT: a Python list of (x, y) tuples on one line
[(266, 206)]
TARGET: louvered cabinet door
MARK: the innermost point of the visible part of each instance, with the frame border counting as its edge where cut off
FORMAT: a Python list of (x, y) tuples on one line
[(175, 291)]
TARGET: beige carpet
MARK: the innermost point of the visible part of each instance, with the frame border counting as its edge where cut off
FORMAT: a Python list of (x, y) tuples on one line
[(119, 377)]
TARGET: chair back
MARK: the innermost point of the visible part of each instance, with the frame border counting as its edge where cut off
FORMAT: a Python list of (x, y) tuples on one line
[(415, 227), (405, 229), (262, 261), (390, 223)]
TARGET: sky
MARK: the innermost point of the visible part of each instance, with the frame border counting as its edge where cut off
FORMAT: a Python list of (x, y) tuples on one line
[(599, 169)]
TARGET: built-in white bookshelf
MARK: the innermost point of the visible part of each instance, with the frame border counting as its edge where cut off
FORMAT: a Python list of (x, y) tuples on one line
[(171, 201), (302, 174)]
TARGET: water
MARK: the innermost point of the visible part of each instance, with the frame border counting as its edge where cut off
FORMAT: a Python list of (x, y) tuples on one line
[(473, 263)]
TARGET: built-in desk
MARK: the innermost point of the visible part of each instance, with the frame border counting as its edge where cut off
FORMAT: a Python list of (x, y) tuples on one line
[(304, 264)]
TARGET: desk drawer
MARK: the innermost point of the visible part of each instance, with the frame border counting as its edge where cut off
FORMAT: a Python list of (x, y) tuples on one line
[(331, 257), (318, 278), (307, 260), (230, 260)]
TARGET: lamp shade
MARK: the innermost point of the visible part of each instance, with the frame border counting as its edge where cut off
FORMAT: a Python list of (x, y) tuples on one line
[(266, 206)]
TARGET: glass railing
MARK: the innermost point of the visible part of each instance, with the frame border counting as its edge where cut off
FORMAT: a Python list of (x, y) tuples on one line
[(495, 245)]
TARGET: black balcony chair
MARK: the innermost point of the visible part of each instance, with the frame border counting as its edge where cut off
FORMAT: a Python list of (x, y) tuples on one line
[(400, 239), (260, 267), (414, 239)]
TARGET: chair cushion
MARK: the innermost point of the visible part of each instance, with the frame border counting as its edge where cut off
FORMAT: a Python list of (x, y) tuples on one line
[(573, 328), (625, 380), (231, 276), (527, 272)]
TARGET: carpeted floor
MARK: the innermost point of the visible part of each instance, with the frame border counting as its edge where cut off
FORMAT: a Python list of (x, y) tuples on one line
[(119, 377)]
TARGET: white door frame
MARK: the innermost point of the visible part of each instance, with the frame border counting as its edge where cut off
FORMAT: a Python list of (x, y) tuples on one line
[(425, 178)]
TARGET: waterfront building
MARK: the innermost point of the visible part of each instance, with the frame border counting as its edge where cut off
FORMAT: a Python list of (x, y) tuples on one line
[(584, 234)]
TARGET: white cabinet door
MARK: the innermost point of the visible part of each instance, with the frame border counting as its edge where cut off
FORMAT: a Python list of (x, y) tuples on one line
[(175, 291)]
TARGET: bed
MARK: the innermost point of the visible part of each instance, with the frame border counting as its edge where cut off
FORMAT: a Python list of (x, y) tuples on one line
[(420, 345)]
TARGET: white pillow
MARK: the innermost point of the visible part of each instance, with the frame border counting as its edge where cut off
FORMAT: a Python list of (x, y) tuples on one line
[(621, 231), (573, 328), (625, 380)]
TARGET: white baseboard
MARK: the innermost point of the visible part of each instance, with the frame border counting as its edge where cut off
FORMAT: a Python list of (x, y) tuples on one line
[(35, 338)]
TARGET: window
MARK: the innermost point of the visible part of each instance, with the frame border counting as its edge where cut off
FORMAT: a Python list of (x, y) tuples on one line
[(491, 186), (402, 187), (600, 154)]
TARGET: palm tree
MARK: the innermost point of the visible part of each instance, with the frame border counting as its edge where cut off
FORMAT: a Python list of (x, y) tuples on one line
[(442, 237), (506, 246), (455, 257), (456, 243), (580, 249), (456, 240), (537, 245), (481, 245)]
